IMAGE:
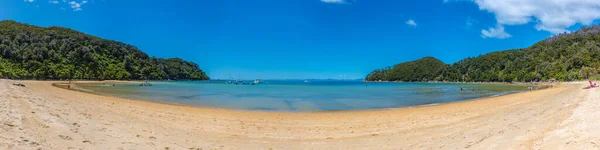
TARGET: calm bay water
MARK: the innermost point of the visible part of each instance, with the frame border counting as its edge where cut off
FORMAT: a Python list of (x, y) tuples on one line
[(298, 96)]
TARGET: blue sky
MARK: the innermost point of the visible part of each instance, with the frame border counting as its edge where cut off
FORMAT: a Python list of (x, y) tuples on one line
[(274, 39)]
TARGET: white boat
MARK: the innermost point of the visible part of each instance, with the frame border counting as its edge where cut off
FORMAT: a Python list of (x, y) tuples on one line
[(305, 81), (146, 84), (257, 81)]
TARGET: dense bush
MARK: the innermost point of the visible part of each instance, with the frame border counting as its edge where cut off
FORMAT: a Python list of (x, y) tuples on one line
[(31, 52), (560, 57), (425, 69)]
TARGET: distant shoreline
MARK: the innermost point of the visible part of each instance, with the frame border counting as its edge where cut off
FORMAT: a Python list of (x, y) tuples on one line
[(522, 83)]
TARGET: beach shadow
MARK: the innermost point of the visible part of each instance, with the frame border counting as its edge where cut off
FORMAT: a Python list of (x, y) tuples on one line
[(587, 87)]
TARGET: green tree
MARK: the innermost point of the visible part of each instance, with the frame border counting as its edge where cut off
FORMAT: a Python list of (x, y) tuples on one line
[(588, 72), (562, 57), (31, 52)]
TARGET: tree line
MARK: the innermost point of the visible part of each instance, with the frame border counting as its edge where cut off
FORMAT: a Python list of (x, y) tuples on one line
[(31, 52), (563, 57)]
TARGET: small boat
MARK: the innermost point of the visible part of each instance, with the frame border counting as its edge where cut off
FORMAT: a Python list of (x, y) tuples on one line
[(237, 82), (145, 84), (257, 81), (305, 81)]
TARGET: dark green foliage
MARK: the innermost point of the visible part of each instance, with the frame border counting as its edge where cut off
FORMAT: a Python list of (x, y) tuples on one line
[(587, 72), (425, 69), (30, 52), (557, 58)]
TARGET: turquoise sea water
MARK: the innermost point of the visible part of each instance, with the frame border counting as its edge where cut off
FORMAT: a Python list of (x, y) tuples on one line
[(300, 96)]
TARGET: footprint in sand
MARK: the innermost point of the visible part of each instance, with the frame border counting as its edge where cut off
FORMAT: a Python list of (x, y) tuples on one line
[(76, 128), (86, 141), (65, 137)]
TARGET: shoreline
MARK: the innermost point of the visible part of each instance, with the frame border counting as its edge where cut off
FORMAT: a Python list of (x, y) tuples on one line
[(518, 83), (42, 115), (56, 84)]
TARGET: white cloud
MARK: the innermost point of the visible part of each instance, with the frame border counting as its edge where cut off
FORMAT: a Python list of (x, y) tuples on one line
[(29, 1), (333, 1), (53, 1), (554, 16), (497, 32), (411, 22), (76, 6)]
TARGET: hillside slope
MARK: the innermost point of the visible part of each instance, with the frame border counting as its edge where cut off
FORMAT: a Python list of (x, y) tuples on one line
[(564, 57), (424, 69), (31, 52)]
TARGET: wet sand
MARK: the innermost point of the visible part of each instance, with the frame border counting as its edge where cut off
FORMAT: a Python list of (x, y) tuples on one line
[(43, 116)]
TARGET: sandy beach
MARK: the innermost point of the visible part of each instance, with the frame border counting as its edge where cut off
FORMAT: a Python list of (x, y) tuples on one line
[(43, 116)]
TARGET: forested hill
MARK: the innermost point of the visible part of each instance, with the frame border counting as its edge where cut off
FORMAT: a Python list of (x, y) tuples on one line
[(563, 57), (31, 52), (424, 69)]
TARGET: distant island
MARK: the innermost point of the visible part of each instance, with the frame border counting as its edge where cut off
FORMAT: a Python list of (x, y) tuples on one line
[(563, 57), (56, 53)]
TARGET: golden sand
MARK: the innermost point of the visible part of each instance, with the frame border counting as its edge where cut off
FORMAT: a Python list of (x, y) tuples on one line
[(43, 116)]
